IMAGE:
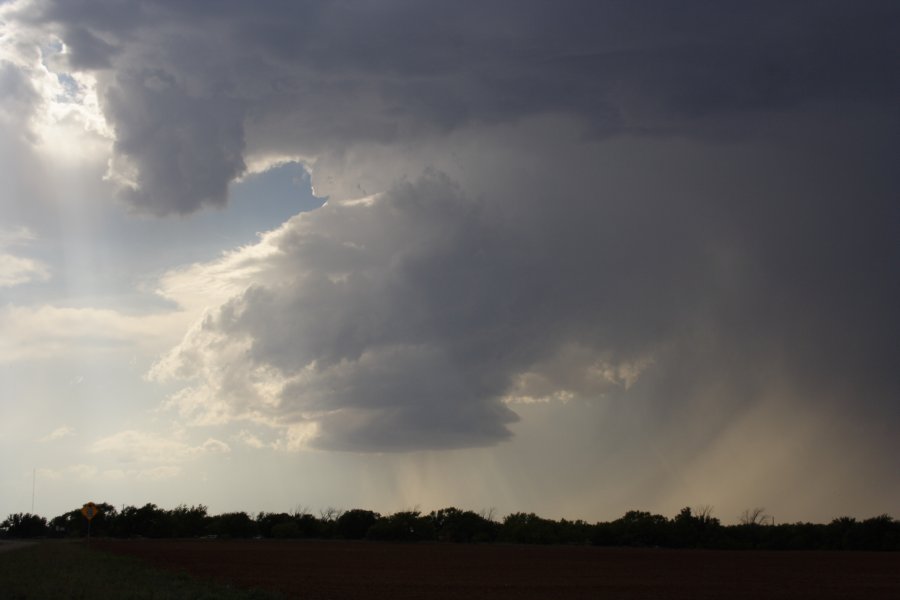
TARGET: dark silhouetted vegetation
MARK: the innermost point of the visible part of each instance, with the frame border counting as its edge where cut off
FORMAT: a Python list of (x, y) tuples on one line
[(404, 526), (690, 528), (455, 525), (355, 524), (236, 525), (24, 525)]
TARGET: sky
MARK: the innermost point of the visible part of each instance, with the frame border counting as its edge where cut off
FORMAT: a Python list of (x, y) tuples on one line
[(571, 257)]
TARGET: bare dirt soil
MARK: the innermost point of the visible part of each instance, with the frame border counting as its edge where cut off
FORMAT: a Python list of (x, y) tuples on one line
[(7, 545), (355, 570)]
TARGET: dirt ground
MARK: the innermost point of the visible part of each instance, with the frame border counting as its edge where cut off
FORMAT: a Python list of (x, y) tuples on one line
[(7, 545), (335, 569)]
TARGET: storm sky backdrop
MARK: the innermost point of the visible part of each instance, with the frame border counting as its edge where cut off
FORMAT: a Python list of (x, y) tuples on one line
[(568, 257)]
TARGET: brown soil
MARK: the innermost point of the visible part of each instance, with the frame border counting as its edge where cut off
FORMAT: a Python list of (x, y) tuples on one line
[(7, 545), (334, 569)]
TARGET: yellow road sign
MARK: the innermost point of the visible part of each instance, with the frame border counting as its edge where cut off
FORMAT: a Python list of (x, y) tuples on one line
[(90, 510)]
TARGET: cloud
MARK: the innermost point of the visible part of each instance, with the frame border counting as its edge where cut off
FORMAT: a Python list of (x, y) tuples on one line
[(689, 209), (194, 95), (41, 332), (175, 152), (58, 434), (132, 446), (17, 98), (16, 270), (15, 237), (51, 109), (393, 376), (248, 439), (652, 272), (76, 471), (92, 473)]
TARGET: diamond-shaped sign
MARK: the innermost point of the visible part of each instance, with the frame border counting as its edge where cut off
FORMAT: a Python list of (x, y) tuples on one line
[(90, 510)]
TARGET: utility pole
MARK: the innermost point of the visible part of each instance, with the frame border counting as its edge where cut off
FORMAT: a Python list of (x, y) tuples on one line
[(33, 478)]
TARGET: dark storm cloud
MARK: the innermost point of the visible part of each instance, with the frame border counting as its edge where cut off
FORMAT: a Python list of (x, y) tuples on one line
[(686, 205), (184, 148), (671, 276), (87, 50), (343, 72)]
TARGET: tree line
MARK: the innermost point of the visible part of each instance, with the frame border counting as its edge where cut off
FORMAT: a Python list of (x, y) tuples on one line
[(688, 529)]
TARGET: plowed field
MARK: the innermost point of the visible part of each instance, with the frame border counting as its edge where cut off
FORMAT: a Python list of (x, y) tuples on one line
[(334, 569)]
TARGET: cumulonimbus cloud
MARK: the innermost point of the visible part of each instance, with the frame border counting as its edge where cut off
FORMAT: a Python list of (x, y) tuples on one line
[(419, 317), (686, 206)]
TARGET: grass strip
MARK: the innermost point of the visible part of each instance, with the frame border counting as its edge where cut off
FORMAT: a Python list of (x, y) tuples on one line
[(70, 570)]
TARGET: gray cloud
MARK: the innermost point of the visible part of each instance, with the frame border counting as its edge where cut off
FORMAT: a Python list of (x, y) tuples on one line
[(686, 206), (183, 148), (17, 101), (317, 77), (661, 273), (87, 50)]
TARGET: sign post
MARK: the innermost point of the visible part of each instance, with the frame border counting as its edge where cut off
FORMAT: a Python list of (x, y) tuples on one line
[(90, 510)]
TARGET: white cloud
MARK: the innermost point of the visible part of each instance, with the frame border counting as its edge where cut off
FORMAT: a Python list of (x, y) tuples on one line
[(41, 332), (61, 112), (297, 437), (157, 473), (574, 371), (58, 434), (248, 439), (15, 237), (133, 446), (200, 286), (15, 269), (85, 472)]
